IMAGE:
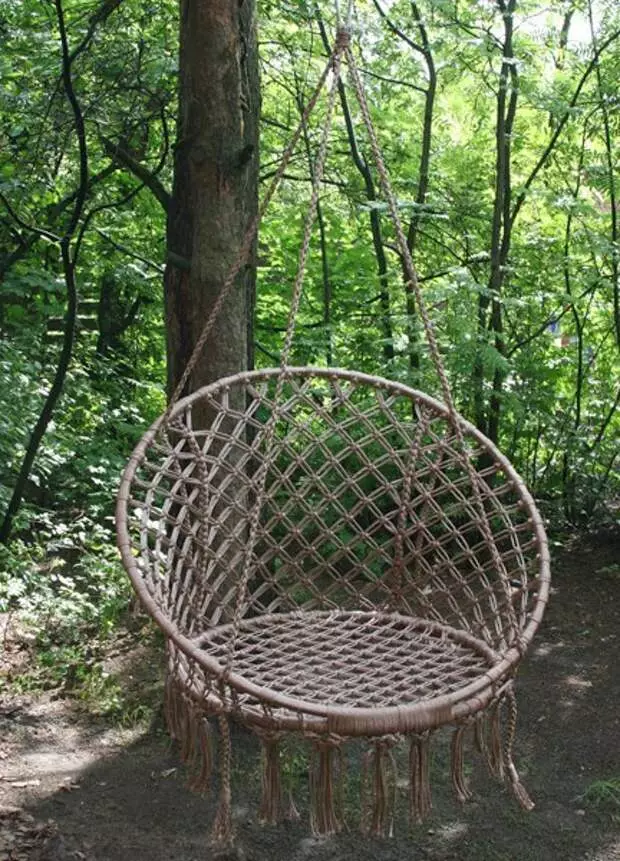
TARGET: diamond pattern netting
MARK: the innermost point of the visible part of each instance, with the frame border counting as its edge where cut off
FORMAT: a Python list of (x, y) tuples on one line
[(340, 658), (368, 506)]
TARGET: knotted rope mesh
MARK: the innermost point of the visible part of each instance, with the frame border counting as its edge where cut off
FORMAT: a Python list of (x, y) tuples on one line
[(338, 535)]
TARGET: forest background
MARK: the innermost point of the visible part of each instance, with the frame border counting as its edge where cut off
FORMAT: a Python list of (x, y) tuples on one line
[(499, 120)]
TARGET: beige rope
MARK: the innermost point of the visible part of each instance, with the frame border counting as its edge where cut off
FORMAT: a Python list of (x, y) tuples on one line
[(430, 336), (261, 476)]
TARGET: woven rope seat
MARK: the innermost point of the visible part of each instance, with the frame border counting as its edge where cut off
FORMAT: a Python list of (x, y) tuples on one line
[(334, 555), (349, 671)]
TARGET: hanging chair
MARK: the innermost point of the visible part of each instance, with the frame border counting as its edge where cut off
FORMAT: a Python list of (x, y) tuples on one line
[(333, 555)]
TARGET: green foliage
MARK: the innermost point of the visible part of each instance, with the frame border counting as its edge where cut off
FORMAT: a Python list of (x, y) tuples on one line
[(603, 797)]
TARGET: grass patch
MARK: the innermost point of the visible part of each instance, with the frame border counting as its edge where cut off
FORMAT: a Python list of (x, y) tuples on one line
[(603, 797)]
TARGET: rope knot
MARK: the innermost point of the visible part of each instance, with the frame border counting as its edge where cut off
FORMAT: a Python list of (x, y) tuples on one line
[(343, 38)]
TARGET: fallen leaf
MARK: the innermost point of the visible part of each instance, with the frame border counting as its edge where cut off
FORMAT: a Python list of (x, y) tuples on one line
[(167, 772)]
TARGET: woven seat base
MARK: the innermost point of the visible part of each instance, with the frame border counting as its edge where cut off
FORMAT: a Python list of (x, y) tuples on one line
[(324, 667)]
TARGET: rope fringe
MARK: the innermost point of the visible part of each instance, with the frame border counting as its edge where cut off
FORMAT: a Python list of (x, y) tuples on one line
[(420, 800), (517, 787), (378, 817), (271, 801), (459, 783), (495, 757), (172, 706), (520, 792), (292, 813), (223, 833), (202, 760), (323, 818), (480, 738), (189, 725)]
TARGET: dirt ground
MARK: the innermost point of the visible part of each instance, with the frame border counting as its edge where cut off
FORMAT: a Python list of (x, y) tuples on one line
[(73, 788)]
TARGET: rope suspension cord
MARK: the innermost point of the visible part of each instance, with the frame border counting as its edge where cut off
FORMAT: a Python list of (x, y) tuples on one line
[(342, 48), (431, 338), (261, 478)]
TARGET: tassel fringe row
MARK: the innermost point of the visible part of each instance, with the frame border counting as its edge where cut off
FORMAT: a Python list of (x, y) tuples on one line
[(190, 726)]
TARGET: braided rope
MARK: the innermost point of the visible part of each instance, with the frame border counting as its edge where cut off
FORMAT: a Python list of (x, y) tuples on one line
[(248, 241), (429, 331), (261, 476)]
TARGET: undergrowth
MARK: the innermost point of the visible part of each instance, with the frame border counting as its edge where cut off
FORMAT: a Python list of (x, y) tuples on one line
[(603, 797), (68, 620)]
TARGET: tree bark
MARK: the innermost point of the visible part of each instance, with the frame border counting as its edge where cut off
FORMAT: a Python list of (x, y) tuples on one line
[(215, 187)]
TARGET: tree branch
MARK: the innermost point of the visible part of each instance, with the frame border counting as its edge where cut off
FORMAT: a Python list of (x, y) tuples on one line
[(37, 231), (373, 216), (520, 198), (609, 155), (68, 266), (146, 176), (606, 422), (124, 250)]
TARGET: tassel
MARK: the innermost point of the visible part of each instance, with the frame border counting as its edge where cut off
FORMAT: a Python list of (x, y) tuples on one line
[(173, 708), (222, 834), (169, 706), (269, 813), (203, 757), (420, 802), (187, 732), (480, 739), (384, 801), (323, 818), (190, 728), (364, 803), (458, 773), (519, 790), (292, 813), (517, 787), (342, 779), (495, 758)]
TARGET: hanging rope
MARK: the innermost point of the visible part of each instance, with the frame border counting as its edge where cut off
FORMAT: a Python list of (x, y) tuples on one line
[(261, 477), (429, 331)]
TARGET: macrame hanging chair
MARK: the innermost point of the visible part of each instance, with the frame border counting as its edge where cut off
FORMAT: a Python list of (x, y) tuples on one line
[(333, 555)]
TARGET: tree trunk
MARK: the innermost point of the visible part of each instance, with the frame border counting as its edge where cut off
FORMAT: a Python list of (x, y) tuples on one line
[(215, 187), (501, 235), (214, 200), (69, 262)]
